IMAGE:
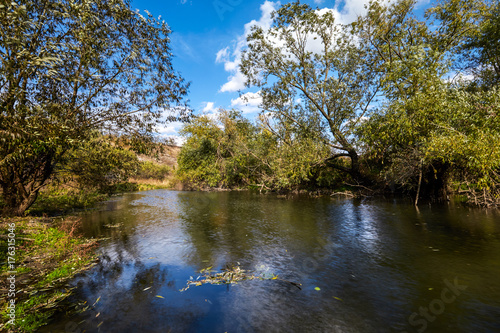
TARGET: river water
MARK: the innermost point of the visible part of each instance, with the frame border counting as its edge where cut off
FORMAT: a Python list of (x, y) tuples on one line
[(363, 266)]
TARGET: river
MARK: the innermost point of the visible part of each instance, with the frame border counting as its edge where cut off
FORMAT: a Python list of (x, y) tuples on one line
[(363, 266)]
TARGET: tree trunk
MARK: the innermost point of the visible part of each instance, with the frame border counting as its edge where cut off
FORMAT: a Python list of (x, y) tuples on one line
[(435, 186), (22, 182), (355, 171), (17, 201)]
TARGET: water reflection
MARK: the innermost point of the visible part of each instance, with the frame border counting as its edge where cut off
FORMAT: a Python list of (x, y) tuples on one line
[(364, 266)]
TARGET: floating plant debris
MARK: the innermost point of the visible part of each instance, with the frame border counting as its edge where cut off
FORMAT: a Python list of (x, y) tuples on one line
[(229, 275)]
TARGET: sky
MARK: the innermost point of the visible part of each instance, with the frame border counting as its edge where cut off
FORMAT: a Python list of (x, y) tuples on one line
[(207, 39)]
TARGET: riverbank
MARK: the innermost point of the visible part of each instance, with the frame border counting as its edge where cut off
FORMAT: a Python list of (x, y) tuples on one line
[(41, 255)]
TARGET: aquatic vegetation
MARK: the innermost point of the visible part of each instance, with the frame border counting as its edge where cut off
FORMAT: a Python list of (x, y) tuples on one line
[(230, 275)]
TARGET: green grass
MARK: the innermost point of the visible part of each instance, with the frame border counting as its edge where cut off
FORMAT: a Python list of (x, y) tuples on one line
[(48, 257), (57, 200), (31, 321)]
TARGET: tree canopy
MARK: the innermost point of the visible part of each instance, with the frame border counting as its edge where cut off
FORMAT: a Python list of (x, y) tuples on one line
[(394, 100), (69, 68), (314, 74)]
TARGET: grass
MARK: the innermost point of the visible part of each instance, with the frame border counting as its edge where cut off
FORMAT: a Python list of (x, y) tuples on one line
[(146, 184), (47, 254), (59, 200)]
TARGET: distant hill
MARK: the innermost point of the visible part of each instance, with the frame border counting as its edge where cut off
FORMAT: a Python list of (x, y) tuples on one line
[(167, 157)]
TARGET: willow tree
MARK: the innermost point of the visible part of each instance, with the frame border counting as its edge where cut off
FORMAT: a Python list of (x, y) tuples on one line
[(481, 51), (313, 73), (423, 112), (69, 68)]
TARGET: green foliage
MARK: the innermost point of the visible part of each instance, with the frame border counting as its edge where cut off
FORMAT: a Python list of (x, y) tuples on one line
[(99, 164), (46, 259), (480, 51), (151, 170), (55, 199), (70, 69), (425, 133), (199, 156), (232, 152), (321, 93)]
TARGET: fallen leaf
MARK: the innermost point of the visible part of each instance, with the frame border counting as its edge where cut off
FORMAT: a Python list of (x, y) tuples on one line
[(96, 301), (159, 296), (317, 288)]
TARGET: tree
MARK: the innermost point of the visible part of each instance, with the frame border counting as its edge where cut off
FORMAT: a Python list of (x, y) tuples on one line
[(231, 152), (69, 68), (481, 50), (199, 158), (314, 74), (99, 164), (410, 133)]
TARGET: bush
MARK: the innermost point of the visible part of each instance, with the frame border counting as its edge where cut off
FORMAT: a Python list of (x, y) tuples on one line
[(151, 170)]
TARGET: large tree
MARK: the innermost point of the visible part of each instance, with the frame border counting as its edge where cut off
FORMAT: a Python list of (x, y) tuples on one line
[(314, 74), (417, 132), (69, 68), (481, 51)]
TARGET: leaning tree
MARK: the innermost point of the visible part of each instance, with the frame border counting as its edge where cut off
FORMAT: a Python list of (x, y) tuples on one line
[(69, 69), (316, 74)]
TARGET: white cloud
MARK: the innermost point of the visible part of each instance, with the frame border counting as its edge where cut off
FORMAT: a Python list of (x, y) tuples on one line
[(222, 55), (248, 103), (344, 12), (171, 130), (209, 107), (351, 10), (236, 80)]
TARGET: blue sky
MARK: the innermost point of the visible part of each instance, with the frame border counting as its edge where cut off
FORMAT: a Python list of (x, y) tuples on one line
[(208, 37)]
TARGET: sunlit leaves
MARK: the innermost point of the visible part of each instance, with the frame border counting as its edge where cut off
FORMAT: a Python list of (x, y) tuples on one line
[(312, 73), (68, 68)]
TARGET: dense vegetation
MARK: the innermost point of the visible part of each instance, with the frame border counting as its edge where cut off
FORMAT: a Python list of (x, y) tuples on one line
[(391, 101), (69, 72)]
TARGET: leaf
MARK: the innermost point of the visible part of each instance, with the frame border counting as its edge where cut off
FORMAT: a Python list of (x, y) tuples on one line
[(146, 288), (96, 301), (340, 299), (317, 288), (159, 296)]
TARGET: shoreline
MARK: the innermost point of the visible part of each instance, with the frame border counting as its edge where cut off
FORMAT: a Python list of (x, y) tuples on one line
[(44, 255)]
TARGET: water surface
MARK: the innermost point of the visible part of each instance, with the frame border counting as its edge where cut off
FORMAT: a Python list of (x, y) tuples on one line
[(364, 266)]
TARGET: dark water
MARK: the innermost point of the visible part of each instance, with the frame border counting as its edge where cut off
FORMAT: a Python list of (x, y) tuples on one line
[(380, 266)]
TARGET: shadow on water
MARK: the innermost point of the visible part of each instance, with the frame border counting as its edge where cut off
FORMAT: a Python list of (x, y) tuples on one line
[(364, 266)]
